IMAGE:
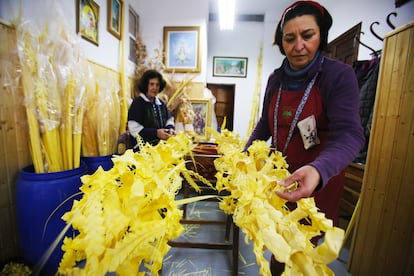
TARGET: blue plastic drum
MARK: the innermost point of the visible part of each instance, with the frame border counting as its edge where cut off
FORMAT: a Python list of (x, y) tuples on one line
[(93, 162), (38, 195)]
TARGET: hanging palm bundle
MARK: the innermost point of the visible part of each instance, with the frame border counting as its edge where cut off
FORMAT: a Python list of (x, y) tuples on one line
[(254, 111)]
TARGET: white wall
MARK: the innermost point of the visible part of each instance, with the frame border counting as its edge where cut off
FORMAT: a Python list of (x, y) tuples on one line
[(244, 41), (156, 14)]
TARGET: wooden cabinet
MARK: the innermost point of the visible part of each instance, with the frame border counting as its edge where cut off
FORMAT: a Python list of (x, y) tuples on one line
[(383, 238), (343, 47)]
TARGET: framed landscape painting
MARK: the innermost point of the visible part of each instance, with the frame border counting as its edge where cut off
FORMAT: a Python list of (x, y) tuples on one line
[(230, 67), (115, 17)]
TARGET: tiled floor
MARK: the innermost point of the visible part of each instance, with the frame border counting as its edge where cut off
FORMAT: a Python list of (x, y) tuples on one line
[(206, 262)]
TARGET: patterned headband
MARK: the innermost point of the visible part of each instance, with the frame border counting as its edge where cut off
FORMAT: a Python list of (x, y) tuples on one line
[(294, 5)]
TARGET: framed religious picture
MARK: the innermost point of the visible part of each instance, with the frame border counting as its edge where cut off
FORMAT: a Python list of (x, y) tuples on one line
[(87, 23), (230, 67), (182, 49), (202, 118), (115, 17)]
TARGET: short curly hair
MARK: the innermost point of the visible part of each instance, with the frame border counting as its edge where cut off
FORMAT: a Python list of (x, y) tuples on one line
[(141, 84), (299, 8)]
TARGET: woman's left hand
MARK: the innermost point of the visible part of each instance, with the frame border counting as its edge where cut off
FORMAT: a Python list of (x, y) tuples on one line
[(307, 178), (164, 133)]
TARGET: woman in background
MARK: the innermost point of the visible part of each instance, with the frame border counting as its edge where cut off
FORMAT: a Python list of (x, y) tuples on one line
[(148, 115)]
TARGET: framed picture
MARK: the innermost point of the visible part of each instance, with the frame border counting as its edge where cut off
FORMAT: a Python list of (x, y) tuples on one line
[(182, 49), (115, 17), (230, 67), (133, 30), (87, 23), (202, 117), (133, 23)]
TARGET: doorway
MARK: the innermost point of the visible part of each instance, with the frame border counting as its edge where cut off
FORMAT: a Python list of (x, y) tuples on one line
[(224, 107)]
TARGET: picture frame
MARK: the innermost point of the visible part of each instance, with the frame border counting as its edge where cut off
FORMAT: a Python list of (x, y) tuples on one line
[(87, 23), (182, 49), (230, 67), (133, 30), (115, 13), (202, 118), (133, 23)]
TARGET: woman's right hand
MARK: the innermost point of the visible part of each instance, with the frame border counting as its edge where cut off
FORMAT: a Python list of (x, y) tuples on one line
[(307, 179)]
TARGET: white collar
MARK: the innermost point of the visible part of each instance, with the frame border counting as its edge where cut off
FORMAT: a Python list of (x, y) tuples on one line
[(157, 101)]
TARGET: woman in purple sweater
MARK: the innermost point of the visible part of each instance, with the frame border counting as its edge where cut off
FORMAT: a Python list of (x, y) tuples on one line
[(311, 109)]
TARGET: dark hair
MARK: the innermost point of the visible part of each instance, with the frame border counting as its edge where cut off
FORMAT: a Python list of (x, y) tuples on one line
[(142, 83), (299, 8)]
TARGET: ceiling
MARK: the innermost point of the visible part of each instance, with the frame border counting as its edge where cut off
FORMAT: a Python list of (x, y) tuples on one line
[(253, 6)]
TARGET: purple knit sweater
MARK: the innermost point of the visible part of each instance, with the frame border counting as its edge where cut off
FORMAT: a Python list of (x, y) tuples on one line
[(339, 89)]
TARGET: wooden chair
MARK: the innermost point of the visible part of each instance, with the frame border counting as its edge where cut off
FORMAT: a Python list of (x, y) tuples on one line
[(204, 156)]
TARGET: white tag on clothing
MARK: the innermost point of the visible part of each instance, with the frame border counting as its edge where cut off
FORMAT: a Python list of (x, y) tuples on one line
[(307, 129)]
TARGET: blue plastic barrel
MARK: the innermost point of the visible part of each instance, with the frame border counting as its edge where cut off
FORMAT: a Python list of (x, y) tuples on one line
[(37, 196), (93, 162)]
